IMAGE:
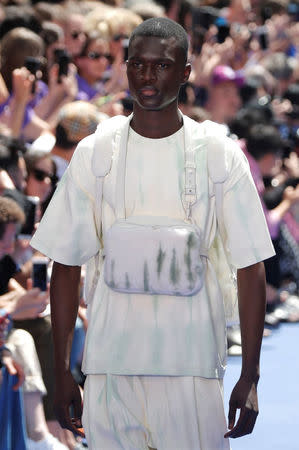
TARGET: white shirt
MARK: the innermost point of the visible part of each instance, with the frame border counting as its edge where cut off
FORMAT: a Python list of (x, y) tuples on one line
[(148, 334)]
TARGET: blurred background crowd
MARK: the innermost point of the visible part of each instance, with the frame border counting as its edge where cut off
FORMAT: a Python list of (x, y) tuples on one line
[(63, 71)]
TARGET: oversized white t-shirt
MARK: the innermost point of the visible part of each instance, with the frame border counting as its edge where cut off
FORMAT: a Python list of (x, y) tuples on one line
[(151, 334)]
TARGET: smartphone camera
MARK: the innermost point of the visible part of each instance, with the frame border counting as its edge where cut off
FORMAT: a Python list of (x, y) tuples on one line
[(263, 37), (125, 45), (203, 17), (223, 29), (63, 59), (40, 272), (33, 65), (30, 209)]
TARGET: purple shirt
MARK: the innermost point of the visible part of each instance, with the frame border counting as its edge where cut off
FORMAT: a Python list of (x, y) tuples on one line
[(41, 91), (86, 92)]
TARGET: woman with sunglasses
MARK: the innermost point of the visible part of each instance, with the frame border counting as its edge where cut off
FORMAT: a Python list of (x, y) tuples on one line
[(41, 178), (92, 64)]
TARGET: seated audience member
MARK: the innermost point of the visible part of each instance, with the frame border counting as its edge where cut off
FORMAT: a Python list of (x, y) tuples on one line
[(263, 149), (75, 121), (53, 37), (41, 176), (19, 16), (17, 45), (72, 23), (92, 63), (224, 99), (12, 160), (20, 354), (21, 47)]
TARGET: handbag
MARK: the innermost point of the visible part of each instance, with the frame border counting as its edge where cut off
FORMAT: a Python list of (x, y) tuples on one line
[(155, 255)]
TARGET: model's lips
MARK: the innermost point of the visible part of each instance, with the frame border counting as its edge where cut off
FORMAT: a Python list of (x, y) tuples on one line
[(148, 91)]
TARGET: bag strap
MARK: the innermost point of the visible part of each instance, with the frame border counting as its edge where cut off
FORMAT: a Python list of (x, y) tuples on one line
[(189, 194)]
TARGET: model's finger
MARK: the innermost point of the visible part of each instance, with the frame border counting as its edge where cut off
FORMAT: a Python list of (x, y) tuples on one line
[(244, 425), (231, 415)]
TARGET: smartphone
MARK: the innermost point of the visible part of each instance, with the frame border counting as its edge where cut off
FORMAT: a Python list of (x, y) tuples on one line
[(31, 208), (125, 45), (40, 272), (203, 17), (223, 32), (263, 38), (63, 59), (33, 65)]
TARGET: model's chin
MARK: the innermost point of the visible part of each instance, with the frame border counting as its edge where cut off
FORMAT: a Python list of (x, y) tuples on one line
[(150, 103)]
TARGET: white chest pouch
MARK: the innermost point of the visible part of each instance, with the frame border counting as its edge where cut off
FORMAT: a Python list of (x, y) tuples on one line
[(155, 255)]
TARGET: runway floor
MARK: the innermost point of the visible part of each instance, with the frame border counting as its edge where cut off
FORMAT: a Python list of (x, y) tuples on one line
[(277, 425)]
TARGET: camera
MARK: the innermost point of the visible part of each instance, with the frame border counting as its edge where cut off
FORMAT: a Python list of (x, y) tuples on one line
[(40, 272)]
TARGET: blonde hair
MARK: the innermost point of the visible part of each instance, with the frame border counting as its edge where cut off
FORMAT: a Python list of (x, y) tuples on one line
[(112, 21)]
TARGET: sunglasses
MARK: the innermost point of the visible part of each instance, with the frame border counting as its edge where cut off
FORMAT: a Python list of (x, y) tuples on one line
[(41, 175), (97, 55), (118, 37)]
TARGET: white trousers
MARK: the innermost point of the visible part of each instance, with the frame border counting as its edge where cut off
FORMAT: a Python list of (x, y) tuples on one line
[(165, 413)]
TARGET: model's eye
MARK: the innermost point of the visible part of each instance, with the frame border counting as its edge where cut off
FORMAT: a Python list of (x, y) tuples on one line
[(136, 64), (163, 66)]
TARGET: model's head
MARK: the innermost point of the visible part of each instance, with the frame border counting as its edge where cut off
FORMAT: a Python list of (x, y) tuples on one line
[(164, 28), (157, 63)]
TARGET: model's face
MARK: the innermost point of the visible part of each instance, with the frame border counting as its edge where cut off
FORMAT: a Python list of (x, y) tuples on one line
[(155, 70), (7, 243)]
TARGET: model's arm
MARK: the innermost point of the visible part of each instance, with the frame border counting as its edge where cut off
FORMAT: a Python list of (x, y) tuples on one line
[(64, 296), (252, 304)]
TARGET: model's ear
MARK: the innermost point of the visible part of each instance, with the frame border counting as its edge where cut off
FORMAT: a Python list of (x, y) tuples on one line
[(187, 72)]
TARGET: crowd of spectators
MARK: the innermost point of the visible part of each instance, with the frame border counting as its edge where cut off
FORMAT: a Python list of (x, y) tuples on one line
[(63, 71)]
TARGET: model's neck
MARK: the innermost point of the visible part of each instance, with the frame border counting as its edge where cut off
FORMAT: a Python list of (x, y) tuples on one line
[(156, 124)]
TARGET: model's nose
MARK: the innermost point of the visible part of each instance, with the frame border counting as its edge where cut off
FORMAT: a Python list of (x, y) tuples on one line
[(148, 72)]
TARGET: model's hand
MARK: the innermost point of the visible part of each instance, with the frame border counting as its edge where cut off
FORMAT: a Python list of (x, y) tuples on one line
[(68, 396), (243, 397)]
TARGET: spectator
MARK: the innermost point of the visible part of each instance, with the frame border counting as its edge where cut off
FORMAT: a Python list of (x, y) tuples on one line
[(223, 94), (76, 121)]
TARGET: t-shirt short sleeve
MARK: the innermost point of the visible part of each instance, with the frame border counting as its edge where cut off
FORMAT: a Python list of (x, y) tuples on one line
[(67, 232), (246, 238)]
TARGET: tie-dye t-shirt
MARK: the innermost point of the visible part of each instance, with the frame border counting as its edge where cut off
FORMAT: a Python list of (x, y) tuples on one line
[(151, 334)]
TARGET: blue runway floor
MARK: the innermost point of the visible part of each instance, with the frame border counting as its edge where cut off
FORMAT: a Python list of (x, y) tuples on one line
[(277, 426)]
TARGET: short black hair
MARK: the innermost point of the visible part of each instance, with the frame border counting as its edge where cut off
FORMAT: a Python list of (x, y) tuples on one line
[(62, 139), (11, 150), (264, 139), (163, 28)]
